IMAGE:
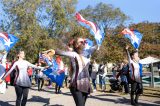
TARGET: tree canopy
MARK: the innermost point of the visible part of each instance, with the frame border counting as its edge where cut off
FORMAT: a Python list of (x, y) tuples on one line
[(45, 24)]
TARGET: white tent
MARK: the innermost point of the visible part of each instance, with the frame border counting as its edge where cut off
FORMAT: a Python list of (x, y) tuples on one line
[(149, 60)]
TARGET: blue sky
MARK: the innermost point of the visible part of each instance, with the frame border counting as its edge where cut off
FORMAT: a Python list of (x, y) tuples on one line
[(138, 10)]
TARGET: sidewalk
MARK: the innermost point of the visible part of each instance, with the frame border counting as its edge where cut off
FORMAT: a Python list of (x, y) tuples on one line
[(49, 98)]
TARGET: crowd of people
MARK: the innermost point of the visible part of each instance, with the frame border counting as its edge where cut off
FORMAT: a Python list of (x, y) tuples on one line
[(79, 73)]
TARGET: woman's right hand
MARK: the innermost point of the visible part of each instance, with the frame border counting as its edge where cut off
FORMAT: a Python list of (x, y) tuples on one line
[(127, 47)]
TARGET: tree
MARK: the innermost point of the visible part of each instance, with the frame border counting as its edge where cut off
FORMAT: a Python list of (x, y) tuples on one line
[(26, 21), (105, 15), (108, 18), (150, 44)]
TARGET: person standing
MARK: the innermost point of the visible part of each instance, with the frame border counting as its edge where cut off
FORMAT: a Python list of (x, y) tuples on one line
[(40, 77), (30, 73), (123, 73), (80, 80), (102, 71), (114, 70), (66, 75), (135, 76), (22, 81), (94, 74), (61, 74)]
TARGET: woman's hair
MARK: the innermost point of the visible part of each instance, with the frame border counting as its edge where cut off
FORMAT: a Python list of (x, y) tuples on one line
[(132, 53), (78, 48), (19, 50), (125, 61)]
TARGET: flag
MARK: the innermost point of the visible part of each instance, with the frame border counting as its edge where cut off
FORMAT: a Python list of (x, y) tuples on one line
[(88, 44), (8, 40), (134, 36), (52, 71), (94, 30)]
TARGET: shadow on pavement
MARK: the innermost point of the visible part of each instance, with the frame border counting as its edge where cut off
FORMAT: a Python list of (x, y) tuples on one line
[(158, 102), (5, 104), (152, 95), (67, 93), (43, 90), (108, 95), (39, 99), (122, 101)]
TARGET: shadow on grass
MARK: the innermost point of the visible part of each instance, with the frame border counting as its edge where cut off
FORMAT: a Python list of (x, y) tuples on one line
[(151, 89)]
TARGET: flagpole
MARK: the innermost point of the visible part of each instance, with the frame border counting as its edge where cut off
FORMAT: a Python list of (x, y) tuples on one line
[(129, 60)]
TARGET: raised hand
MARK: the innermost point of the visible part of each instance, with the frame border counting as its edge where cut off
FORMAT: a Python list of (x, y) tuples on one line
[(127, 47)]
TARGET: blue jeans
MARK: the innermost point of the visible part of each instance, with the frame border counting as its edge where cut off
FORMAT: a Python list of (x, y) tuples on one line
[(94, 83), (101, 81)]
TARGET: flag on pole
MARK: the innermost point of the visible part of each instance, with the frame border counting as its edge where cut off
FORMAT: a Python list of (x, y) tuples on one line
[(134, 36), (8, 41), (94, 30)]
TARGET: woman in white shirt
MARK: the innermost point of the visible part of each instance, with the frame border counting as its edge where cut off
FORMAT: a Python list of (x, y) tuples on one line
[(22, 81), (135, 77)]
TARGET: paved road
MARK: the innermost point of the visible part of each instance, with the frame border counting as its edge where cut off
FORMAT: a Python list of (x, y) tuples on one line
[(49, 98)]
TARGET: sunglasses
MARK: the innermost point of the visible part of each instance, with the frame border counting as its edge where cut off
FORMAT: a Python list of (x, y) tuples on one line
[(83, 42)]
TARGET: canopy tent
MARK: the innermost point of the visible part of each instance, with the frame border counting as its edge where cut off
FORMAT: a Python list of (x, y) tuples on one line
[(149, 60)]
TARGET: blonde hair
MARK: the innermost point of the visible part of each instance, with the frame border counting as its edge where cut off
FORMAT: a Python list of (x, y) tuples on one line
[(125, 61), (49, 52)]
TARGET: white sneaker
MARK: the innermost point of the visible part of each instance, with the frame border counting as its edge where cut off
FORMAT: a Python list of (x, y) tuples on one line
[(94, 90)]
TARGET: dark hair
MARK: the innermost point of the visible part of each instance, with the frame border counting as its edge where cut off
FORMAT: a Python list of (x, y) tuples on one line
[(19, 50), (74, 43), (133, 52)]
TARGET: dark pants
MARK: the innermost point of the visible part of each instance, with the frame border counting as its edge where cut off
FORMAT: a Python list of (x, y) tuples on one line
[(136, 90), (49, 82), (126, 86), (7, 84), (66, 76), (94, 83), (57, 89), (79, 97), (30, 77), (22, 95), (36, 79), (40, 83)]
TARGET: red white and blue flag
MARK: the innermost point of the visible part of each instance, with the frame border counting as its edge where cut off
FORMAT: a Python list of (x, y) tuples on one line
[(7, 41), (94, 30), (134, 36)]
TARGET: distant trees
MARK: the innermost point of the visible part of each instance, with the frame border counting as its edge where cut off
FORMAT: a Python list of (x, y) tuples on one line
[(45, 24)]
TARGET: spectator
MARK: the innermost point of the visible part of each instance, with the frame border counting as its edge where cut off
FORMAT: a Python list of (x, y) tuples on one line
[(94, 74), (102, 70), (123, 73)]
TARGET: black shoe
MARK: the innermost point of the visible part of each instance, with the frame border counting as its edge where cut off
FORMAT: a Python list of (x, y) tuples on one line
[(133, 103), (136, 99), (59, 92)]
